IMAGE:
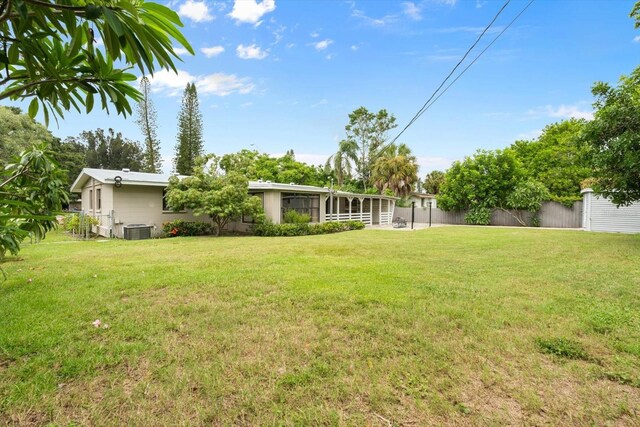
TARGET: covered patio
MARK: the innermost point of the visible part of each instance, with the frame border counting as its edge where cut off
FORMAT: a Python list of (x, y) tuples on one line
[(370, 209)]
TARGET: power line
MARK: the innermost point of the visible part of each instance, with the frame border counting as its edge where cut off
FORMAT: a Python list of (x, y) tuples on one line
[(433, 97), (476, 58)]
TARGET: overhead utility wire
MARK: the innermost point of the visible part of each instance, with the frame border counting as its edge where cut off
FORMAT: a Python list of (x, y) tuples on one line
[(450, 73), (476, 58)]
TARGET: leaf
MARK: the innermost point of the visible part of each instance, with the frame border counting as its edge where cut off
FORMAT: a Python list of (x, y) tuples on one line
[(33, 108)]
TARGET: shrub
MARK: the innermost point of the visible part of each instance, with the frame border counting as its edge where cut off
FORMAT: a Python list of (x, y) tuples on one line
[(72, 222), (274, 230), (180, 227), (293, 217), (478, 216)]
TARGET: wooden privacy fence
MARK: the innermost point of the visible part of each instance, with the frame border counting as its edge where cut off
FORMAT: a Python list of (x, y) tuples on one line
[(551, 214)]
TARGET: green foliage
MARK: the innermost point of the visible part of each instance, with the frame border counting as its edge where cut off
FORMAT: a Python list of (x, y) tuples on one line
[(181, 227), (396, 170), (73, 224), (433, 181), (51, 57), (635, 14), (478, 215), (111, 151), (366, 136), (267, 229), (528, 195), (285, 169), (293, 217), (484, 180), (562, 347), (190, 142), (614, 138), (556, 159), (146, 120), (32, 191), (19, 132), (224, 198)]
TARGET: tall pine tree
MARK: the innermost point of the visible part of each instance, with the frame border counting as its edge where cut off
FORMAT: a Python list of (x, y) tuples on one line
[(146, 119), (189, 144)]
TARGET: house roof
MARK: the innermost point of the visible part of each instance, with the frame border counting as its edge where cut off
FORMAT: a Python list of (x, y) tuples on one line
[(107, 176)]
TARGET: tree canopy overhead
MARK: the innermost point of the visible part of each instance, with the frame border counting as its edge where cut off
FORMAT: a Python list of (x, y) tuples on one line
[(49, 52)]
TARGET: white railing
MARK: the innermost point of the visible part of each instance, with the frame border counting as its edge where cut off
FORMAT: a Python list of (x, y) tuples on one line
[(354, 216), (385, 218)]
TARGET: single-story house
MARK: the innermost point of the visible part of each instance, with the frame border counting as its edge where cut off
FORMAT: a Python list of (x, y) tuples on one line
[(121, 198), (600, 214), (422, 200)]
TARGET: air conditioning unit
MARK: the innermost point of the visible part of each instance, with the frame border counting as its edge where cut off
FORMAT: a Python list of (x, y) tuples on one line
[(137, 231)]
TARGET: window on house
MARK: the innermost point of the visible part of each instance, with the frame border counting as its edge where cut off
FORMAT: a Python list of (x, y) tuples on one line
[(248, 219), (165, 206), (303, 204), (99, 198), (91, 199)]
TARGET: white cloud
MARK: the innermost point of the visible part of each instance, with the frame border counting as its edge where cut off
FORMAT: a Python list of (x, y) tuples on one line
[(315, 34), (218, 84), (180, 50), (278, 34), (375, 22), (480, 3), (636, 39), (250, 11), (221, 84), (561, 112), (431, 163), (246, 104), (251, 52), (323, 44), (291, 45), (197, 11), (319, 103), (412, 11), (212, 51), (354, 47)]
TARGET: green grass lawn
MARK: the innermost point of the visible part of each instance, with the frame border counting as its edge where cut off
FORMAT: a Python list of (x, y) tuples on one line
[(451, 325)]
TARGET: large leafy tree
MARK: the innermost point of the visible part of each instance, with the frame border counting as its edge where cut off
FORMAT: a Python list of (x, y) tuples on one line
[(396, 170), (146, 119), (190, 143), (556, 158), (110, 150), (614, 137), (365, 142), (223, 197), (49, 52)]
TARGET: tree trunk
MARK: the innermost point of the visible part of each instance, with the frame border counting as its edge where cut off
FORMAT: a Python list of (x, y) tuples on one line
[(517, 217)]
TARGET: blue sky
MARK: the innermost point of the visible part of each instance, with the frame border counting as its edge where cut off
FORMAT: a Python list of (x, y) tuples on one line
[(278, 75)]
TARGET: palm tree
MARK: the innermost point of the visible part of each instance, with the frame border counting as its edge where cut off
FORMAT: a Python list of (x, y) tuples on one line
[(397, 170), (341, 162)]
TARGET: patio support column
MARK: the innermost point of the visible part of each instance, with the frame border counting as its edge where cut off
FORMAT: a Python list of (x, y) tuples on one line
[(350, 201), (361, 206), (338, 208), (380, 212)]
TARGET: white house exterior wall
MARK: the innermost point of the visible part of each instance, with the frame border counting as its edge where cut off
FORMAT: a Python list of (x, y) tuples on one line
[(600, 214), (143, 205)]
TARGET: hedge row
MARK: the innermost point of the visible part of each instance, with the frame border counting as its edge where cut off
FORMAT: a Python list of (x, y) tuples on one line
[(180, 227), (272, 230)]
